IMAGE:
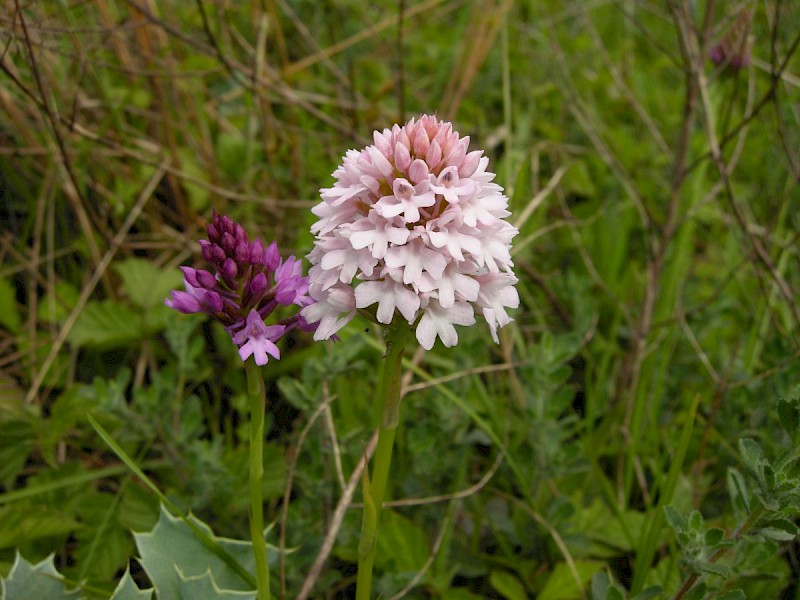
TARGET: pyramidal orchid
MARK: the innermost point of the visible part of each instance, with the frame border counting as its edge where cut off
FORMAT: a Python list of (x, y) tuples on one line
[(246, 283), (413, 235), (413, 225)]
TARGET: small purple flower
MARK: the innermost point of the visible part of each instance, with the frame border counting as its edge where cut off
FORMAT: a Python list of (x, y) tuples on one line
[(734, 50), (258, 339), (246, 283)]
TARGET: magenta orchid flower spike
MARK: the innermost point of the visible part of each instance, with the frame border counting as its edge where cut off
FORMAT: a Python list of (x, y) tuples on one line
[(419, 225), (248, 282)]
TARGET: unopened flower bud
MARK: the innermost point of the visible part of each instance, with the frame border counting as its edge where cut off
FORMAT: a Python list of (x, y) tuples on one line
[(228, 242), (257, 253), (229, 269), (242, 252), (258, 284), (206, 279), (213, 301)]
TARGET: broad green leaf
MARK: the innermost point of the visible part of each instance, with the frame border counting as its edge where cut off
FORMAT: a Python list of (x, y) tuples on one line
[(603, 588), (106, 324), (138, 510), (204, 587), (508, 585), (127, 590), (40, 582), (609, 533), (172, 546), (12, 399), (56, 305), (402, 545), (103, 547), (9, 311), (16, 442), (146, 284), (18, 524), (561, 584)]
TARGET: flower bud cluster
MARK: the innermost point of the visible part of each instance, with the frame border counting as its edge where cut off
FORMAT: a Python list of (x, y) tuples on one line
[(249, 281), (416, 221)]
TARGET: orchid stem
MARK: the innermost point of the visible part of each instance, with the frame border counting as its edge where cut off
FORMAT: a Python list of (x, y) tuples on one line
[(389, 388), (257, 401)]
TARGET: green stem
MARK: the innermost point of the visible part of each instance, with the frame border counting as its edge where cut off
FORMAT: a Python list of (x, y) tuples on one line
[(389, 391), (257, 397)]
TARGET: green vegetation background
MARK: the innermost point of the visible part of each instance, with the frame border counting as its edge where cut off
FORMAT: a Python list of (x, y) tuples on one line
[(657, 199)]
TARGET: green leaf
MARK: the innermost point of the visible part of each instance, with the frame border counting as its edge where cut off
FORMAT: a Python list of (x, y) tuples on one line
[(402, 545), (102, 545), (127, 590), (204, 587), (146, 284), (698, 592), (173, 548), (779, 528), (19, 524), (714, 536), (508, 585), (40, 581), (9, 312), (106, 324), (752, 454), (714, 569), (12, 399), (789, 416), (56, 305), (201, 531), (601, 583), (732, 595), (16, 443), (561, 584), (651, 592), (737, 489)]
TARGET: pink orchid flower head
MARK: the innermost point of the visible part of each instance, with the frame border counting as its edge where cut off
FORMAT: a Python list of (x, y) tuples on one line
[(415, 225)]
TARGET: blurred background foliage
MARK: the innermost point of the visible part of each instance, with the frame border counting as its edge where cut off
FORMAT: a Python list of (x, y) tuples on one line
[(635, 432)]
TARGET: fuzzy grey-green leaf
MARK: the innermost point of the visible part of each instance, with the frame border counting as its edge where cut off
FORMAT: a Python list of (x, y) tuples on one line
[(127, 590), (172, 549), (204, 587), (41, 581)]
